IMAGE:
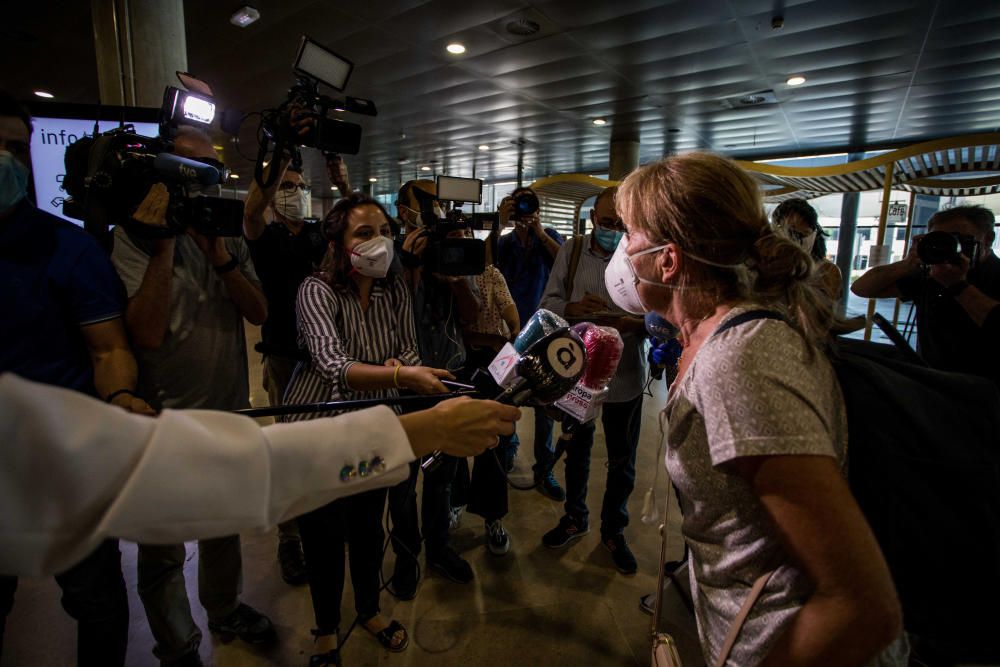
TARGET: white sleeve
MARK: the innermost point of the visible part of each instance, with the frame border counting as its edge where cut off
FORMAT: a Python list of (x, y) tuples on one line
[(74, 471)]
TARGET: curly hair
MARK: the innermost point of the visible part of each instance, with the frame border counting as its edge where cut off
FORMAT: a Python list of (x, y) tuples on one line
[(712, 210), (336, 266)]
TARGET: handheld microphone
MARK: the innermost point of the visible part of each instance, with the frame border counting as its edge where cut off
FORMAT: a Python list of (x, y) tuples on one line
[(179, 168), (604, 348), (542, 323), (665, 349), (546, 371)]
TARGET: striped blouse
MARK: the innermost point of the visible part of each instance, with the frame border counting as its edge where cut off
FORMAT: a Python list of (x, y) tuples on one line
[(338, 334)]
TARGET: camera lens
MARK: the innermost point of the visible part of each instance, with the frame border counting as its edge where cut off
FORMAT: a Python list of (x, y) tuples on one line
[(525, 204), (939, 248)]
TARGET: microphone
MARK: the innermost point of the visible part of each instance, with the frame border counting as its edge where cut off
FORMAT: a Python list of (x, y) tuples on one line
[(665, 349), (546, 371), (542, 323), (179, 168), (604, 348)]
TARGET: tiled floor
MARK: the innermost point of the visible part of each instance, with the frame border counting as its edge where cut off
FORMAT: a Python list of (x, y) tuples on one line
[(534, 606)]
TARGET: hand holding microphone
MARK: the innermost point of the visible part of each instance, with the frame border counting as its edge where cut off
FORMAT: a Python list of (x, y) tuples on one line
[(459, 426)]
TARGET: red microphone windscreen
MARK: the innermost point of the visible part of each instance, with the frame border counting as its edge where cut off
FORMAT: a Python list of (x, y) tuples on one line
[(604, 350)]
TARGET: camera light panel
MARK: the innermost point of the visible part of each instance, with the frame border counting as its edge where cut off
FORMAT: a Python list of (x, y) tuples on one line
[(460, 190), (322, 64), (198, 110)]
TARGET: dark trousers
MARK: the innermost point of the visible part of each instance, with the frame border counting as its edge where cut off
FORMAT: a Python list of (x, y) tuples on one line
[(542, 447), (403, 514), (434, 509), (93, 594), (621, 432), (356, 520), (485, 491)]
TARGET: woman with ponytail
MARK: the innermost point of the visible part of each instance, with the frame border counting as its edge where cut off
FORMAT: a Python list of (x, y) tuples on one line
[(756, 431)]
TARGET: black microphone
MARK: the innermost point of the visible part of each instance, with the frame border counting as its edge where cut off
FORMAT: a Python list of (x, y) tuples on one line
[(179, 168)]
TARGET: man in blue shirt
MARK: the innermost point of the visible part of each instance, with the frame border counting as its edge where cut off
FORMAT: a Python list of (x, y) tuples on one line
[(62, 325), (525, 258)]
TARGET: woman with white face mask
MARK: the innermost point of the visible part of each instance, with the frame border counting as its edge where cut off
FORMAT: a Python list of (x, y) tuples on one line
[(355, 318), (755, 424), (799, 222)]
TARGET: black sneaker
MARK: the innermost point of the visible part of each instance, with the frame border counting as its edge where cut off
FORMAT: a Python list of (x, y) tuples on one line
[(497, 539), (292, 562), (451, 565), (404, 578), (620, 553), (246, 623), (550, 488), (567, 531)]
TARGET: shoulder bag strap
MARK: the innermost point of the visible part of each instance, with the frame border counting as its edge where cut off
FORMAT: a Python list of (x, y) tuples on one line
[(749, 316), (734, 629)]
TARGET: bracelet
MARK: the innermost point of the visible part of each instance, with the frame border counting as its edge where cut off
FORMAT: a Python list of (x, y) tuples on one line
[(228, 266), (395, 376), (955, 289), (110, 397)]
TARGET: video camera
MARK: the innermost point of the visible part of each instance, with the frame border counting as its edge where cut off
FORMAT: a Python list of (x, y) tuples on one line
[(445, 254), (314, 64), (108, 175), (946, 248)]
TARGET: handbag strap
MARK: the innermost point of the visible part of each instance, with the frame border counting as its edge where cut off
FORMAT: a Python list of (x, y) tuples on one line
[(658, 607), (734, 629)]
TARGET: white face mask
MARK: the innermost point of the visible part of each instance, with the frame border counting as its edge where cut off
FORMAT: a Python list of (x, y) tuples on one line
[(622, 282), (293, 205), (372, 257)]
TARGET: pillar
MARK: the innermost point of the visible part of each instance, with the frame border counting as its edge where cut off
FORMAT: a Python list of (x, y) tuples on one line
[(622, 158), (845, 242)]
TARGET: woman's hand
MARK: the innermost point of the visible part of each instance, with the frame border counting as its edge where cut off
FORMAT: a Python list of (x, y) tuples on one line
[(459, 426), (423, 379)]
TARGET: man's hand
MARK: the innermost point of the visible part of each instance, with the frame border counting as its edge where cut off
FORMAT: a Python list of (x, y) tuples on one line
[(459, 426), (951, 274), (153, 209), (133, 404), (336, 169), (590, 303), (505, 211), (423, 379), (534, 223), (213, 247)]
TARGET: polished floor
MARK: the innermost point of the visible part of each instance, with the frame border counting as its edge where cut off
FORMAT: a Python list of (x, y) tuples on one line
[(534, 606)]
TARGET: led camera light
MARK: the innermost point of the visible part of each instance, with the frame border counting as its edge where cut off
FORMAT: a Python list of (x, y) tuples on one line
[(198, 110)]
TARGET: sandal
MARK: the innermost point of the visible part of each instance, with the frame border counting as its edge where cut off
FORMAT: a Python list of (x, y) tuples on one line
[(386, 635)]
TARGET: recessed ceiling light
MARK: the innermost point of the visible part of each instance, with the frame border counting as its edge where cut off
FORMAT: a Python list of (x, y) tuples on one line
[(600, 121), (796, 80), (244, 16), (44, 93), (234, 176), (455, 48), (333, 187), (483, 147), (425, 168), (372, 179)]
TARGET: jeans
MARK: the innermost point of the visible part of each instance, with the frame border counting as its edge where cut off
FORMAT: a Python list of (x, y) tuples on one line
[(621, 432), (403, 514), (161, 588), (356, 520), (277, 374), (93, 594), (544, 454)]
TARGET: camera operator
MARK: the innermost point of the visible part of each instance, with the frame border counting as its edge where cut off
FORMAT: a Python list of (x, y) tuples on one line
[(525, 259), (958, 322), (584, 297), (187, 297), (442, 305), (284, 253), (62, 326)]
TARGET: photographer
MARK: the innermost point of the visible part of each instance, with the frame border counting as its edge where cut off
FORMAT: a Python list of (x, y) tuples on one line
[(187, 297), (958, 322), (583, 296), (62, 325), (284, 253), (442, 305), (525, 259)]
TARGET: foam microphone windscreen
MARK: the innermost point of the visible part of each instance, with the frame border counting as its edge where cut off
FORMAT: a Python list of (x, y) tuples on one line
[(604, 351), (539, 325), (657, 327)]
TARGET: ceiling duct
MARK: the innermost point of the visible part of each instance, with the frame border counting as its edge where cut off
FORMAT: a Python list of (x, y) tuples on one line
[(758, 99), (522, 27)]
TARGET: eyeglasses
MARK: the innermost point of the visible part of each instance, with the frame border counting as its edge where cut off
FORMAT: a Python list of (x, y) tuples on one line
[(613, 224), (288, 186)]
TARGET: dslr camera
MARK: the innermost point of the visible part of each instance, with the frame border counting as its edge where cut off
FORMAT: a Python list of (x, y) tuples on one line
[(946, 248), (313, 65), (109, 174), (447, 253)]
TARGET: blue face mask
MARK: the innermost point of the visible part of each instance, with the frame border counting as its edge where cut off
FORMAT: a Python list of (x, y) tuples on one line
[(607, 239), (13, 181)]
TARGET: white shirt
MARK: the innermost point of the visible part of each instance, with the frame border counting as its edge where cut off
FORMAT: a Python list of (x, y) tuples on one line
[(75, 471)]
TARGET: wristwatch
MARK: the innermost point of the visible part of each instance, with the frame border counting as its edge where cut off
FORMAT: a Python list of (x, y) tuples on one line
[(955, 289)]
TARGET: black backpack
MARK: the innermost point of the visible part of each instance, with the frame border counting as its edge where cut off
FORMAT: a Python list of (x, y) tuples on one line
[(924, 466)]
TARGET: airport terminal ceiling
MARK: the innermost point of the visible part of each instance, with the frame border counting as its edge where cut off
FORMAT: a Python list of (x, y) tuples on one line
[(672, 75)]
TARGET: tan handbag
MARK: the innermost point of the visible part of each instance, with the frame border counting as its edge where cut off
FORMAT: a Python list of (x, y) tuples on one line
[(664, 649)]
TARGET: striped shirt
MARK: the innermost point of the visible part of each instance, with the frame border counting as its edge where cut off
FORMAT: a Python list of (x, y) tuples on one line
[(339, 334), (631, 374)]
